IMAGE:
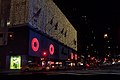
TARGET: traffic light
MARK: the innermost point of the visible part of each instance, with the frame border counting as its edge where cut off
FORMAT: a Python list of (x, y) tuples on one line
[(44, 53)]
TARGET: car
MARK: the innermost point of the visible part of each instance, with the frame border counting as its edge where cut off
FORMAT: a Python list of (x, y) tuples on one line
[(57, 67), (32, 67)]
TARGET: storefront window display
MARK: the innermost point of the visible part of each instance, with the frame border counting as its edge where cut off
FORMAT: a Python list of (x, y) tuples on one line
[(15, 62)]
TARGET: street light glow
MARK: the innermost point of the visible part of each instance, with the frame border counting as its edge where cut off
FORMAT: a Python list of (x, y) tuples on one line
[(8, 23)]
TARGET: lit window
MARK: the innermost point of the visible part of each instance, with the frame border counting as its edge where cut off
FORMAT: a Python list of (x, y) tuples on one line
[(88, 55), (105, 35), (95, 51), (84, 16), (87, 46), (8, 23), (10, 35), (109, 47), (92, 31), (116, 46), (91, 44)]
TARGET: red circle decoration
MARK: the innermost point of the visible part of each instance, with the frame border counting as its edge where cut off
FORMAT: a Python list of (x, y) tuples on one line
[(51, 49), (35, 44)]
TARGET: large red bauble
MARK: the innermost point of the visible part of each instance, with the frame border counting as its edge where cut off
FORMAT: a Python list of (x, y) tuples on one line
[(51, 49), (35, 44)]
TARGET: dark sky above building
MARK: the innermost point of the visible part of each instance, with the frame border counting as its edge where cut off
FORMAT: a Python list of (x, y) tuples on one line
[(100, 14)]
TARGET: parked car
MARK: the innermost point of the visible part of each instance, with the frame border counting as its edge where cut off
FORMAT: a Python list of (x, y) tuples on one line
[(57, 67)]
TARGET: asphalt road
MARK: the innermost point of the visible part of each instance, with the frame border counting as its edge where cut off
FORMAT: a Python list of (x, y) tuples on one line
[(69, 74)]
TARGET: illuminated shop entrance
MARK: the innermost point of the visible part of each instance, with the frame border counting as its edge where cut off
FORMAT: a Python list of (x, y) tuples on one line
[(15, 62)]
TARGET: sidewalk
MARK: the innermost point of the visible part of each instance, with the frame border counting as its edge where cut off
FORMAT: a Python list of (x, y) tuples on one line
[(9, 71)]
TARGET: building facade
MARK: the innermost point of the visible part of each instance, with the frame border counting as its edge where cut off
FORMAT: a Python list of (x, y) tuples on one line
[(37, 30), (45, 16)]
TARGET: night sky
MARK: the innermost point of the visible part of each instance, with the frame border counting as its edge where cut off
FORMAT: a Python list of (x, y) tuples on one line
[(100, 15), (99, 12)]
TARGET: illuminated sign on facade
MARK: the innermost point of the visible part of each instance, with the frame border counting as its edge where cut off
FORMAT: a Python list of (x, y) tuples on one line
[(15, 62), (51, 49), (35, 44), (75, 56), (72, 56)]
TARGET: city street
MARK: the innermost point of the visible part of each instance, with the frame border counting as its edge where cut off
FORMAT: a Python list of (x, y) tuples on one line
[(64, 72), (55, 38), (70, 74)]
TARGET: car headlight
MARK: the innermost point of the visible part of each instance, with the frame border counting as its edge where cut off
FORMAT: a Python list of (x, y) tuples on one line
[(47, 67)]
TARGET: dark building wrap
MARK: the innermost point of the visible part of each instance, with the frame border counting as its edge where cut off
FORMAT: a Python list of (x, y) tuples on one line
[(50, 47), (28, 44), (43, 45), (64, 52), (18, 43), (35, 43)]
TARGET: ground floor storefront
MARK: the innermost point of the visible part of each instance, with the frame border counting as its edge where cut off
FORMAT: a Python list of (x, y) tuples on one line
[(26, 45)]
